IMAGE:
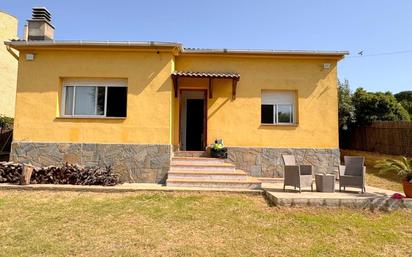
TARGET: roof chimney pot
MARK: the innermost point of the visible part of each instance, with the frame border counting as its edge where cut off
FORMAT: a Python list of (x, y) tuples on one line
[(39, 26)]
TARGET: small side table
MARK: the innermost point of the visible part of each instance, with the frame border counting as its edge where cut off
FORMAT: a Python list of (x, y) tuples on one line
[(325, 183)]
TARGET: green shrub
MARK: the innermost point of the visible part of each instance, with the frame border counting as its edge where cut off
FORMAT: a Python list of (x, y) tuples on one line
[(6, 123)]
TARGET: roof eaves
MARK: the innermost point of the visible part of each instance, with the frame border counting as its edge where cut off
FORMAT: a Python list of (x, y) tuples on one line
[(17, 43), (263, 52), (179, 46)]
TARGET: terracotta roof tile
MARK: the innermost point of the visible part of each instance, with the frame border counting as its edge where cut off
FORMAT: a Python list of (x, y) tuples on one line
[(206, 74)]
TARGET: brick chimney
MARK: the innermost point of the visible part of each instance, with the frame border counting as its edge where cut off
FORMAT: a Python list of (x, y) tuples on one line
[(39, 27)]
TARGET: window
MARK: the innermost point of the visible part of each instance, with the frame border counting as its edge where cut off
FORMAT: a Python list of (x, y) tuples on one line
[(105, 98), (278, 107), (267, 113)]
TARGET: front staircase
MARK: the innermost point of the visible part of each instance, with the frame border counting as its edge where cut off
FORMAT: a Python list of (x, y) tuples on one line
[(208, 173)]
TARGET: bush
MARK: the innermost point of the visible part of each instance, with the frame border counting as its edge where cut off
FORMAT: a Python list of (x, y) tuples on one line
[(6, 123)]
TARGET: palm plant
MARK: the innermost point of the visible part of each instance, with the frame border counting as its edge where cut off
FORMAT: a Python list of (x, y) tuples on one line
[(402, 167)]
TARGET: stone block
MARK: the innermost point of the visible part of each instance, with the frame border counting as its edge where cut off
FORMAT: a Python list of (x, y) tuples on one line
[(270, 159), (133, 162)]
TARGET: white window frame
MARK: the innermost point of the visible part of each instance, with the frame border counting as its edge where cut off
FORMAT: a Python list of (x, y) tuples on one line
[(275, 108), (88, 83), (291, 109)]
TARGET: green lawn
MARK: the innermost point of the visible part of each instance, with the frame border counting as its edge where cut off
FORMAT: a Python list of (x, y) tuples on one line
[(373, 178), (190, 224)]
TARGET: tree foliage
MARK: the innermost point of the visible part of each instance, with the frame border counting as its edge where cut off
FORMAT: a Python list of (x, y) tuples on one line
[(346, 108), (405, 99), (371, 107)]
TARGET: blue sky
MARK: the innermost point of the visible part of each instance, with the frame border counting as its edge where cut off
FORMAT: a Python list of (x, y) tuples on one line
[(381, 28)]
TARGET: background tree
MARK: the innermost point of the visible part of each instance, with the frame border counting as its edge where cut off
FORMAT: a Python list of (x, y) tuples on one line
[(371, 107), (405, 99), (346, 108)]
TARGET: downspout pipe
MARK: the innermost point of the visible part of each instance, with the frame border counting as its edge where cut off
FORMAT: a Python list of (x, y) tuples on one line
[(12, 52)]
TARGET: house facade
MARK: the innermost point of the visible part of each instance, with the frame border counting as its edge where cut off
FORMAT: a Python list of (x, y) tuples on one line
[(133, 105), (8, 65)]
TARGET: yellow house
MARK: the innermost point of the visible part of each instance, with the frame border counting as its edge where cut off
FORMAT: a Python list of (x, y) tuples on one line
[(135, 105), (8, 65)]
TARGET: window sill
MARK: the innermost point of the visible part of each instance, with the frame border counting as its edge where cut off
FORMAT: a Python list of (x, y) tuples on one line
[(89, 117), (279, 125)]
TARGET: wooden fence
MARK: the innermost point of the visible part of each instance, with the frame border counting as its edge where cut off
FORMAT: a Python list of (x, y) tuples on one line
[(389, 137)]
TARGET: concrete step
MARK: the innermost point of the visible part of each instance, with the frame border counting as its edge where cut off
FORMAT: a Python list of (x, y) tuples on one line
[(196, 160), (250, 183), (190, 154), (237, 175), (203, 167), (270, 180)]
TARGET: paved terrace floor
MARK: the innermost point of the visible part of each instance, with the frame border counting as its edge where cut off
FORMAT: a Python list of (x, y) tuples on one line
[(352, 197), (374, 198)]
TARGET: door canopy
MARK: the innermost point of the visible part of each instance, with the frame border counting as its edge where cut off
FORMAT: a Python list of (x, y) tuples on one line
[(235, 77)]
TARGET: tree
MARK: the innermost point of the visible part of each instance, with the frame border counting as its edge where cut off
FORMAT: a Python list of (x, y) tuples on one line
[(371, 107), (346, 108), (405, 99)]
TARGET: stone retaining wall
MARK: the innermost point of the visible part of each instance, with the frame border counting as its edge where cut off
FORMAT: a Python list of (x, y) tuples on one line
[(134, 162), (267, 162), (150, 163)]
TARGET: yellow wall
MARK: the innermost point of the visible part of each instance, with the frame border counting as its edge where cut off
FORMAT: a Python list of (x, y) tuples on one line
[(152, 111), (148, 106), (8, 65), (238, 121)]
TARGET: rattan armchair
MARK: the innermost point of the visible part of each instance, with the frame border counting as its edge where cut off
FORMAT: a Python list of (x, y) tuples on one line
[(352, 174), (297, 176)]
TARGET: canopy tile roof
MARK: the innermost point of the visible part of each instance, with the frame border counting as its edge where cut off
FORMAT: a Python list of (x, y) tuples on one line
[(234, 76), (203, 74)]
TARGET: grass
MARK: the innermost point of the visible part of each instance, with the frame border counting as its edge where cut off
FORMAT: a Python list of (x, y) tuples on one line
[(373, 178), (190, 224)]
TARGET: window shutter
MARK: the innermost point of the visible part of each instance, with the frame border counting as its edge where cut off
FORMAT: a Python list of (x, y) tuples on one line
[(278, 97)]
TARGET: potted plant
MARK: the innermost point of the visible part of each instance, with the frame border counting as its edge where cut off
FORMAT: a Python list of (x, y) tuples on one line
[(402, 167), (218, 150)]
